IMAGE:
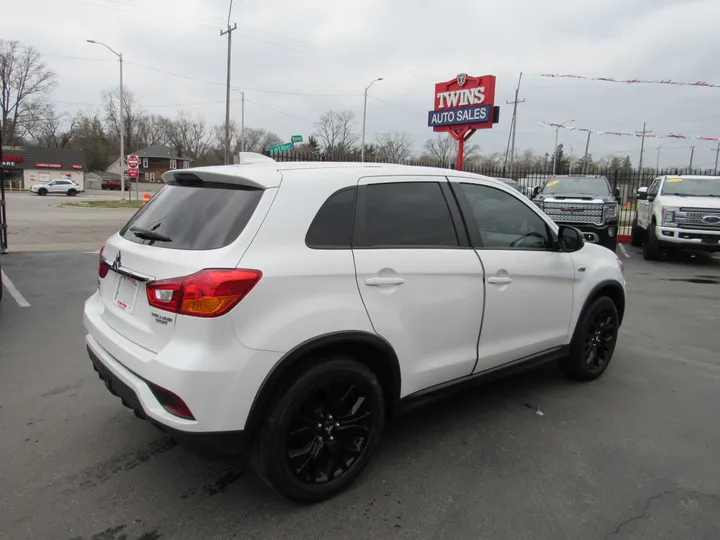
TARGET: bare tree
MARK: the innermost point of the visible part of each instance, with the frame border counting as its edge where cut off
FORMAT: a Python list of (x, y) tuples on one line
[(134, 118), (153, 129), (393, 147), (443, 151), (25, 82), (336, 133), (258, 139), (53, 129), (190, 135), (89, 134)]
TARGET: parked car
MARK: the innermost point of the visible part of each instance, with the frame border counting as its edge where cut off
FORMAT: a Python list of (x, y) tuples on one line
[(677, 213), (112, 184), (291, 308), (586, 202), (66, 187)]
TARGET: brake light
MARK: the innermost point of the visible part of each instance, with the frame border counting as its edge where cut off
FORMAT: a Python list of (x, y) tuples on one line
[(171, 402), (103, 267), (208, 293)]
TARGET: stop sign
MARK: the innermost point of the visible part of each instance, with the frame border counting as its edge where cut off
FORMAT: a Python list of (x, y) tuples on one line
[(133, 162)]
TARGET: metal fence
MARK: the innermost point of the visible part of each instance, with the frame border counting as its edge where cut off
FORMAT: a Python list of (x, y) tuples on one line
[(627, 181)]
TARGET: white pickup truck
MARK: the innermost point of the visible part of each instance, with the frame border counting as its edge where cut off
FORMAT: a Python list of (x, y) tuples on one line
[(677, 213)]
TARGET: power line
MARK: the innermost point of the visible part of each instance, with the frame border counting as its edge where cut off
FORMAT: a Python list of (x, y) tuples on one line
[(279, 111)]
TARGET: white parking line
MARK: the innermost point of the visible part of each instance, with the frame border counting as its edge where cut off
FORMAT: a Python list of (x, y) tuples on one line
[(19, 298), (625, 252)]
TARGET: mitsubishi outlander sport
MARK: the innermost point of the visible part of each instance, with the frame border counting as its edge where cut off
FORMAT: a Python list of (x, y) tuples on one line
[(291, 308)]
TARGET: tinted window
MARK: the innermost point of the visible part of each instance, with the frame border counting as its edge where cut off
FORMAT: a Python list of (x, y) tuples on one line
[(655, 186), (505, 222), (332, 226), (204, 216), (577, 185), (406, 214)]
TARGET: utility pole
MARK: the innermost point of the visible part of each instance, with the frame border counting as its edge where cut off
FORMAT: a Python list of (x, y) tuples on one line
[(692, 153), (586, 167), (557, 131), (513, 126), (642, 143), (228, 31), (362, 141), (717, 155), (657, 161), (242, 124)]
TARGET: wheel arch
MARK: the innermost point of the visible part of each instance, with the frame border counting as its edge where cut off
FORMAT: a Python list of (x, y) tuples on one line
[(369, 349), (610, 288)]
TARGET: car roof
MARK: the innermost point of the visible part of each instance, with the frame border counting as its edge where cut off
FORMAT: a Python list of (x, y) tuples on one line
[(693, 176), (268, 173)]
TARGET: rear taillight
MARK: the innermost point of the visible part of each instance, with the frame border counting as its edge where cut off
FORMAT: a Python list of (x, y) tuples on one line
[(171, 402), (208, 293), (103, 267)]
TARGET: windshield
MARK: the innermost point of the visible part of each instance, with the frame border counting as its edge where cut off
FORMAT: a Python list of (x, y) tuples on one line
[(692, 187), (577, 185)]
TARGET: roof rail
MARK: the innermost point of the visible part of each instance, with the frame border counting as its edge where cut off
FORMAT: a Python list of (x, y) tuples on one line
[(254, 157)]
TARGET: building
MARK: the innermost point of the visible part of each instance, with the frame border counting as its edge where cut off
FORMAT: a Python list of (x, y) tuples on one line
[(23, 167), (154, 161)]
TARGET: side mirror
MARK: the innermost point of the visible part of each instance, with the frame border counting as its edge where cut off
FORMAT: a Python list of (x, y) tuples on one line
[(641, 194), (618, 195), (535, 191), (570, 238)]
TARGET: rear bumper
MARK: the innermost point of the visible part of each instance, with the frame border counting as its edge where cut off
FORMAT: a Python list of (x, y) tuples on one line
[(688, 239), (215, 375)]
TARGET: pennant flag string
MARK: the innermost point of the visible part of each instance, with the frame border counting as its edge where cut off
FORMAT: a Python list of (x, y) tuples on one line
[(627, 134), (631, 81)]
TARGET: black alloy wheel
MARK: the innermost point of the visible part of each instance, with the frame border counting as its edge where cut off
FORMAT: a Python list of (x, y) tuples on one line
[(320, 433), (593, 342), (329, 433)]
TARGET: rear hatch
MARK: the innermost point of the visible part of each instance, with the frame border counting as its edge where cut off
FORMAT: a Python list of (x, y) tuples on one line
[(189, 225)]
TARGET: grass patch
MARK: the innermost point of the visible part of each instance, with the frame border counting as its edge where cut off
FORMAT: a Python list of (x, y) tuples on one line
[(105, 204)]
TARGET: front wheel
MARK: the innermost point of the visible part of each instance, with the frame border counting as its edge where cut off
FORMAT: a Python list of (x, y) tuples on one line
[(636, 237), (651, 249), (611, 244), (42, 192), (321, 432), (594, 341)]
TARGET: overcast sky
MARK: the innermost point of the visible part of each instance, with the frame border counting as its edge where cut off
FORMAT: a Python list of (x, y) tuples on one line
[(337, 47)]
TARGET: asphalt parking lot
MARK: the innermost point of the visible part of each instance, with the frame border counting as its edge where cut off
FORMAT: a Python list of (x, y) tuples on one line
[(632, 455)]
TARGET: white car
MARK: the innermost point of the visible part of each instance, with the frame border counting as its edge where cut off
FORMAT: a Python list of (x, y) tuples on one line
[(678, 213), (292, 307), (66, 187)]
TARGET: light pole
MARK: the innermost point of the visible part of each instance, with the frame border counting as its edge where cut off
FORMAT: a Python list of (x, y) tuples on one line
[(122, 118), (557, 130), (657, 161), (362, 141), (242, 119)]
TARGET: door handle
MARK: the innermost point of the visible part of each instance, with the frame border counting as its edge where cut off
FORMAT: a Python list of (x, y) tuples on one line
[(499, 280), (379, 281)]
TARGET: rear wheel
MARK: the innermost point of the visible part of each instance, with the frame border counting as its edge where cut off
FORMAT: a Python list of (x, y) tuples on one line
[(636, 237), (71, 192), (651, 249), (42, 191), (321, 433), (594, 341)]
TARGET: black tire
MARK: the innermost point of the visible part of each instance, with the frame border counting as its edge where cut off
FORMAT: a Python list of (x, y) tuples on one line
[(611, 244), (636, 236), (340, 384), (594, 341), (42, 192), (71, 192), (104, 188), (651, 250)]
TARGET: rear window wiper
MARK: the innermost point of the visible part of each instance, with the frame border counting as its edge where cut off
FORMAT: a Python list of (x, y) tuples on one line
[(146, 234)]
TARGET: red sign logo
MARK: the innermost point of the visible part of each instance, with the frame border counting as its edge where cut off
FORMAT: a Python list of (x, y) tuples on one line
[(133, 173), (133, 162), (49, 165), (12, 159)]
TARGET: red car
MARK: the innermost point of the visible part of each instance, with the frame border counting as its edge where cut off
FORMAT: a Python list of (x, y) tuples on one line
[(115, 184)]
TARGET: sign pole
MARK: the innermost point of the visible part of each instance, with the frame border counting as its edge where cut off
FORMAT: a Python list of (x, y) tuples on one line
[(461, 153)]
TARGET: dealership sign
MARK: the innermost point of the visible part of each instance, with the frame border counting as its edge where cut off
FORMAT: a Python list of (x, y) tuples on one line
[(462, 106)]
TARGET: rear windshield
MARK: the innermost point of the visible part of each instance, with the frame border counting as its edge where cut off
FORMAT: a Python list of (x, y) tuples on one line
[(577, 185), (203, 217)]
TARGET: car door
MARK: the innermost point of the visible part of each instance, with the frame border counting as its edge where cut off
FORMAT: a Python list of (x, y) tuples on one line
[(419, 278), (529, 282), (51, 186), (59, 186), (644, 207)]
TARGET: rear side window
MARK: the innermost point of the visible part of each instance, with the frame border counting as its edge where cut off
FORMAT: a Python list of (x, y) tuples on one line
[(405, 214), (332, 226), (198, 217)]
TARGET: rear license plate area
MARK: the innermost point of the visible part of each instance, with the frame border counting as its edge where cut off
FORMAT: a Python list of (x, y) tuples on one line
[(126, 294)]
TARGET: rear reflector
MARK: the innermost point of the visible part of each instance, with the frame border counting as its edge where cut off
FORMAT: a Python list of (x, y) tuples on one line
[(208, 293), (171, 402)]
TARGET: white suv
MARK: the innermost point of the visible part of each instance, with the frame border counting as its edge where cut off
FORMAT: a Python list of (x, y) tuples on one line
[(678, 213), (66, 187), (292, 307)]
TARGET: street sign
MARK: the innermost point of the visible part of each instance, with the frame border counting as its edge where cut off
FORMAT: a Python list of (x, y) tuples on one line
[(133, 173), (280, 148), (133, 162), (296, 139)]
